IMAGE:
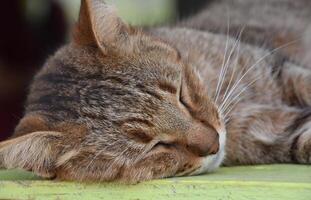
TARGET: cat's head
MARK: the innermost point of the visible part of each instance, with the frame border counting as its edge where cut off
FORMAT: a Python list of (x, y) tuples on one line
[(144, 112)]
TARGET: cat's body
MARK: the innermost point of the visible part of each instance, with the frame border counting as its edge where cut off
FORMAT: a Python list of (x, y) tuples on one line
[(120, 104)]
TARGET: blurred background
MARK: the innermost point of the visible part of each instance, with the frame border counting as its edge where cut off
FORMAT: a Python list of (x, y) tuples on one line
[(33, 29)]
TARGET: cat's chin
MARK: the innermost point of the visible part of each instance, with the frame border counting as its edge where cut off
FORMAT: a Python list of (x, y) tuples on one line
[(212, 162)]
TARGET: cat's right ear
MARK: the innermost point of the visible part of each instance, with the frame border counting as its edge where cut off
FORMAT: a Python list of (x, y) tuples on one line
[(99, 25)]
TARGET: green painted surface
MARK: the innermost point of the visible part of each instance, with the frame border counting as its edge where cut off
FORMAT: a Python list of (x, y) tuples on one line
[(266, 182)]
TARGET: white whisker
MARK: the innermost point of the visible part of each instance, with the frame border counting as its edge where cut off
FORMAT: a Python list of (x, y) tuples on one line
[(249, 69), (228, 62), (234, 68), (238, 95), (223, 62)]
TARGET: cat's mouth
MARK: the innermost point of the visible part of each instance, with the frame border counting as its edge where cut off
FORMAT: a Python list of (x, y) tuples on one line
[(188, 172)]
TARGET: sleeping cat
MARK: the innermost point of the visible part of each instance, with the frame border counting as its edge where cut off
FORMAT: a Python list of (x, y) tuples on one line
[(126, 104)]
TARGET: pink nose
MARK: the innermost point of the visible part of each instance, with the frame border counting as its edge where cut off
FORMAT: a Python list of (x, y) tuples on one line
[(203, 141)]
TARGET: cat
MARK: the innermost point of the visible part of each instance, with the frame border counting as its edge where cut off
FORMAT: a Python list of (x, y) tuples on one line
[(122, 103)]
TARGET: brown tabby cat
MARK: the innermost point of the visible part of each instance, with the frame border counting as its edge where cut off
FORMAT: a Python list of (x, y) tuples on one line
[(119, 103)]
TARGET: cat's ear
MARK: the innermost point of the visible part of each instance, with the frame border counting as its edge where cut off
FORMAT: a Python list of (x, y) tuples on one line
[(35, 152), (99, 25)]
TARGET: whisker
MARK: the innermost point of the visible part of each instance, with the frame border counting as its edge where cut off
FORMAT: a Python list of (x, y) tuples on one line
[(223, 62), (226, 116), (234, 68), (239, 94), (252, 67), (228, 62)]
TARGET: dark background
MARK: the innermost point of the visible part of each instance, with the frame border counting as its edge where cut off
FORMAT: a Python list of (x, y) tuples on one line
[(24, 46)]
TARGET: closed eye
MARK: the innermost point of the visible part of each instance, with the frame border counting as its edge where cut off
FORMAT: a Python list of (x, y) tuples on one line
[(164, 144), (182, 100), (139, 136), (167, 87)]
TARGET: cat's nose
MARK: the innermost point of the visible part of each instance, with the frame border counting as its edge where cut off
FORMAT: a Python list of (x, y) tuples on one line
[(203, 142)]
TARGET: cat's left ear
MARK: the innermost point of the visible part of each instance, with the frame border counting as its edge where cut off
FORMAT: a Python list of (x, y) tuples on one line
[(99, 25), (37, 152)]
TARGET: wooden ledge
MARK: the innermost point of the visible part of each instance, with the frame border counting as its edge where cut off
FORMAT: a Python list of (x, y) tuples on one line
[(263, 182)]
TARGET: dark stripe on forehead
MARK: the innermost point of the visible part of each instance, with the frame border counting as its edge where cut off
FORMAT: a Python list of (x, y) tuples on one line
[(71, 78), (60, 112), (54, 103), (64, 78), (54, 99)]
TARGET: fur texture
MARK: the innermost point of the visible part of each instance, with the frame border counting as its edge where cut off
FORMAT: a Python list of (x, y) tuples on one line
[(265, 23), (119, 103)]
